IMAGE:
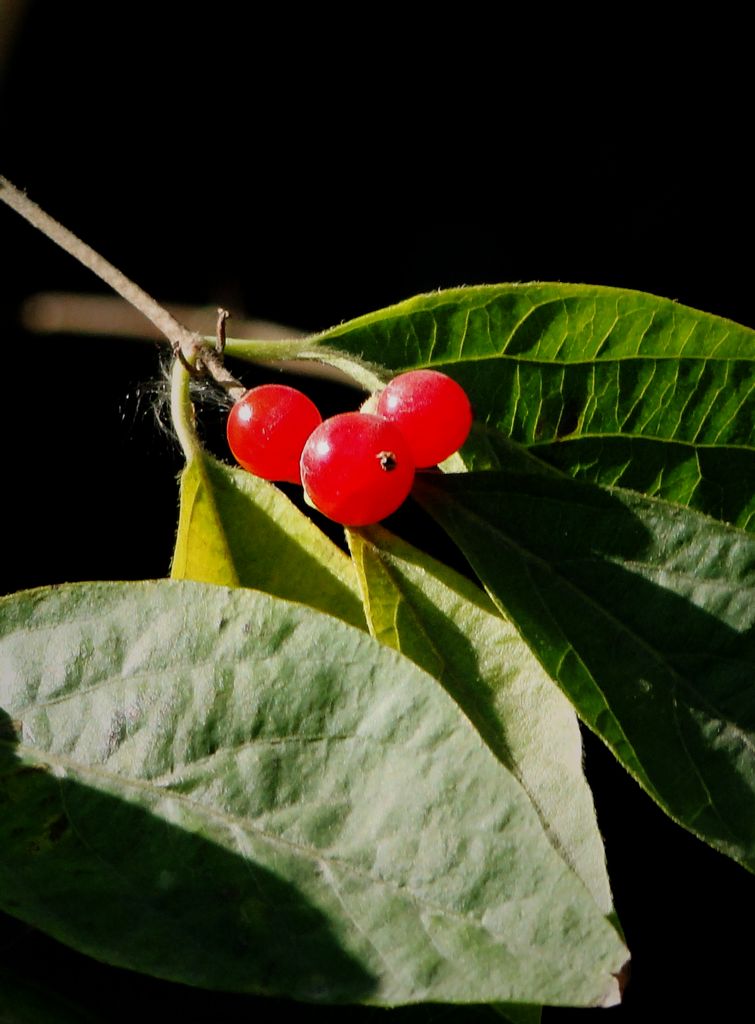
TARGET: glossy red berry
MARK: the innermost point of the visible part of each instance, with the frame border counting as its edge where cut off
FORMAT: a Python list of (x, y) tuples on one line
[(357, 468), (267, 429), (431, 410)]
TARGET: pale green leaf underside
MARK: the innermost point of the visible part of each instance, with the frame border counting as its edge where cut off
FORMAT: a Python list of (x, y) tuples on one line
[(226, 789), (453, 630), (235, 529), (643, 611), (617, 374)]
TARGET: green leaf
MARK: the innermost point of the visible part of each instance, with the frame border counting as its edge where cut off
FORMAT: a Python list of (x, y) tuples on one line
[(517, 1014), (643, 612), (235, 529), (68, 989), (597, 381), (233, 791), (449, 627), (714, 480)]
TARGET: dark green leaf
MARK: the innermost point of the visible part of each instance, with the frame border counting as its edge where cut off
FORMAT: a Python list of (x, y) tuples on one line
[(518, 1014), (644, 613), (43, 982), (235, 530), (449, 627), (223, 788), (591, 378), (719, 481)]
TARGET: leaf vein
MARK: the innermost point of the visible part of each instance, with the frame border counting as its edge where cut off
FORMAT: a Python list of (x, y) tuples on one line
[(231, 822)]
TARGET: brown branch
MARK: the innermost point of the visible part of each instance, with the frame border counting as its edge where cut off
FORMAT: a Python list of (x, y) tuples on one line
[(188, 342), (188, 346)]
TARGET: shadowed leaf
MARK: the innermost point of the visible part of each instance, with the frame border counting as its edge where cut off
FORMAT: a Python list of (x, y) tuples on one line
[(643, 611)]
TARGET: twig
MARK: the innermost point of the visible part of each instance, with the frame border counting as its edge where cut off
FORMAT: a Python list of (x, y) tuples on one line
[(196, 353), (187, 342), (208, 361), (223, 315)]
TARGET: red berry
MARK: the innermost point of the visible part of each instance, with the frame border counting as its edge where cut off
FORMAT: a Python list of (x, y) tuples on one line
[(357, 468), (432, 411), (267, 429)]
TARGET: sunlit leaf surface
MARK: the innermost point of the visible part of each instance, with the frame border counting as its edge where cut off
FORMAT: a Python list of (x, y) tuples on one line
[(452, 629), (223, 788), (610, 385)]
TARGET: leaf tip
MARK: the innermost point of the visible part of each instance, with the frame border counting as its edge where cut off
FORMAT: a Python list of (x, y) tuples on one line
[(620, 980)]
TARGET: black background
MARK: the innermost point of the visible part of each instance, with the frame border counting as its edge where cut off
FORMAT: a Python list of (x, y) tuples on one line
[(308, 172)]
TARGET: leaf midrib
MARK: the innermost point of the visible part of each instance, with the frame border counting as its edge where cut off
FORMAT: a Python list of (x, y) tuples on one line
[(32, 755), (619, 436), (539, 361), (509, 764)]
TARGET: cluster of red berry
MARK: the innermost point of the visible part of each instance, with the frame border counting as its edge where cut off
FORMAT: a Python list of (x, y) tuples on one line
[(356, 468)]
